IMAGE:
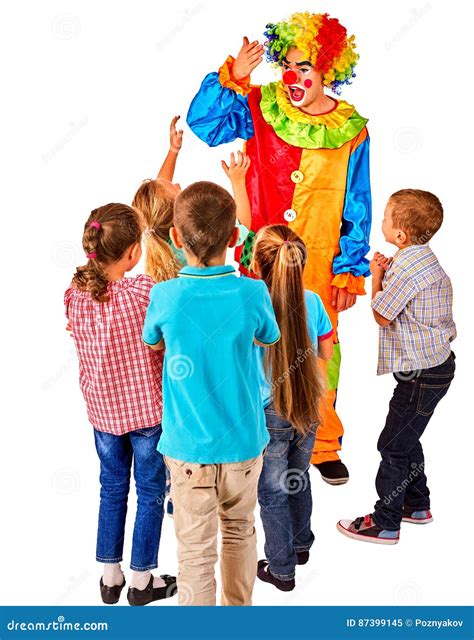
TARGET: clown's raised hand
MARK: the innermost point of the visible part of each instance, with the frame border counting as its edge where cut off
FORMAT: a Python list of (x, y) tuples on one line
[(249, 57)]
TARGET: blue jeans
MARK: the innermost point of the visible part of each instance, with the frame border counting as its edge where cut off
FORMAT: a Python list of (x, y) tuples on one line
[(116, 454), (401, 479), (284, 494)]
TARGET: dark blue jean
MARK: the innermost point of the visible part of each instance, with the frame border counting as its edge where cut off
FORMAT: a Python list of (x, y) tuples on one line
[(401, 479), (116, 454), (284, 494)]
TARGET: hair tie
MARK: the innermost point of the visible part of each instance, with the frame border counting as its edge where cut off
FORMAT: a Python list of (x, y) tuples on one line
[(91, 256), (286, 242), (95, 224)]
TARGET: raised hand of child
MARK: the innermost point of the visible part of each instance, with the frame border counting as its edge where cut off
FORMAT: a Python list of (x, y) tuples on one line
[(237, 168), (236, 171), (176, 137), (249, 57)]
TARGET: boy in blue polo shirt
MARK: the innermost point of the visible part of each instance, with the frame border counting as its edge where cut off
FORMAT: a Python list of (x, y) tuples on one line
[(213, 419)]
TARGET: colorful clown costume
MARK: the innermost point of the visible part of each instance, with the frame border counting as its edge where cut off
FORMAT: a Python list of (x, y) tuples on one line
[(310, 173)]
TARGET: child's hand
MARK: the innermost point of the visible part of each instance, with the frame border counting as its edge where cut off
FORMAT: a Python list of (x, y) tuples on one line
[(69, 328), (238, 168), (176, 137), (383, 261), (376, 269), (249, 57)]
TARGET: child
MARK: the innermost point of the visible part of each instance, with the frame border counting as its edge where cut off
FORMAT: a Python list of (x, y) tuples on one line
[(121, 382), (412, 303), (155, 199), (213, 420), (291, 403)]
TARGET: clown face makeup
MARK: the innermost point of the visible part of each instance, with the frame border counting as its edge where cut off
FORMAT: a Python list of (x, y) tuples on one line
[(302, 82)]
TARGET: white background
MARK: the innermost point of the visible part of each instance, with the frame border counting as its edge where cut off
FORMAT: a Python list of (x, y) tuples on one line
[(88, 89)]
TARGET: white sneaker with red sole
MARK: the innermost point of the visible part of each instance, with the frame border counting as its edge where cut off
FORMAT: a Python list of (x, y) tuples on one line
[(365, 530)]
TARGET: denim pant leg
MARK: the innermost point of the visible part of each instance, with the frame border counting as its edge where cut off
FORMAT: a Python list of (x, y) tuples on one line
[(115, 455), (150, 480), (417, 494), (411, 407), (273, 498), (300, 501)]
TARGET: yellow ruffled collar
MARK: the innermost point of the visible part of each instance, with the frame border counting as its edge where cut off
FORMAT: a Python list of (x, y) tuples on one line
[(332, 120)]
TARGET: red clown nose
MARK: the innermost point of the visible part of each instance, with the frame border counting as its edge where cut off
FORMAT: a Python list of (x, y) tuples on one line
[(289, 77)]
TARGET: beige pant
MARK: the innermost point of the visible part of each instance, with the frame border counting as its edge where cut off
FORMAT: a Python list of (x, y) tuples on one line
[(205, 496)]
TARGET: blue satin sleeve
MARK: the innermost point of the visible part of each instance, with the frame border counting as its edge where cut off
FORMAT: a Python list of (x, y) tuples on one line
[(218, 114), (356, 215)]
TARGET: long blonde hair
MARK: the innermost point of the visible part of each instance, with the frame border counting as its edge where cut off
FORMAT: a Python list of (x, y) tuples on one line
[(280, 256), (156, 202)]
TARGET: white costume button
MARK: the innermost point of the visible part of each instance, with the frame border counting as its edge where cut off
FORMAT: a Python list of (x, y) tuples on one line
[(297, 177), (289, 215)]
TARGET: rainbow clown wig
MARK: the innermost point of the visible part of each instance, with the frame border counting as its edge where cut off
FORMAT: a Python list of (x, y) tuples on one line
[(321, 39)]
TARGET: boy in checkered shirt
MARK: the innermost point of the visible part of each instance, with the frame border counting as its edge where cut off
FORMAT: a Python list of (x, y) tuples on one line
[(412, 303)]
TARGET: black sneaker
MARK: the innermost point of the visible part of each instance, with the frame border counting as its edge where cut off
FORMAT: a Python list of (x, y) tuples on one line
[(333, 472), (365, 529), (264, 574), (303, 557), (140, 597), (111, 595)]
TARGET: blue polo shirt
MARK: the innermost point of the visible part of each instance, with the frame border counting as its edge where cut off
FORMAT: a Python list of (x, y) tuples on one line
[(209, 319), (319, 328)]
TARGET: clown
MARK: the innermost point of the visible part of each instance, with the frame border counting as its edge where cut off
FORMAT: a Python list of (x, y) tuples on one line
[(309, 169)]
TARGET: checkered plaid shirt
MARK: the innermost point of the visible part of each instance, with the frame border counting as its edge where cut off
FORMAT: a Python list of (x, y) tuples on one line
[(417, 297), (119, 375)]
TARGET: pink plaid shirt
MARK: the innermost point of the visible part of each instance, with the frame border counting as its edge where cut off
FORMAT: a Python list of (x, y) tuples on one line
[(119, 375)]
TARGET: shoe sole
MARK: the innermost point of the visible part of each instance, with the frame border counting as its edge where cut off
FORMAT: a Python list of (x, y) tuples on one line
[(144, 604), (335, 481), (357, 536), (417, 520), (285, 590)]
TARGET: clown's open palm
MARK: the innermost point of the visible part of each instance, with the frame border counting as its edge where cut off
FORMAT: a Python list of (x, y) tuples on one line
[(249, 57)]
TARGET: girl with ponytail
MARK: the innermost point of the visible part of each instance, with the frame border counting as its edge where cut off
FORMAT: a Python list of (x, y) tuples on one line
[(292, 390), (155, 199), (120, 378)]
